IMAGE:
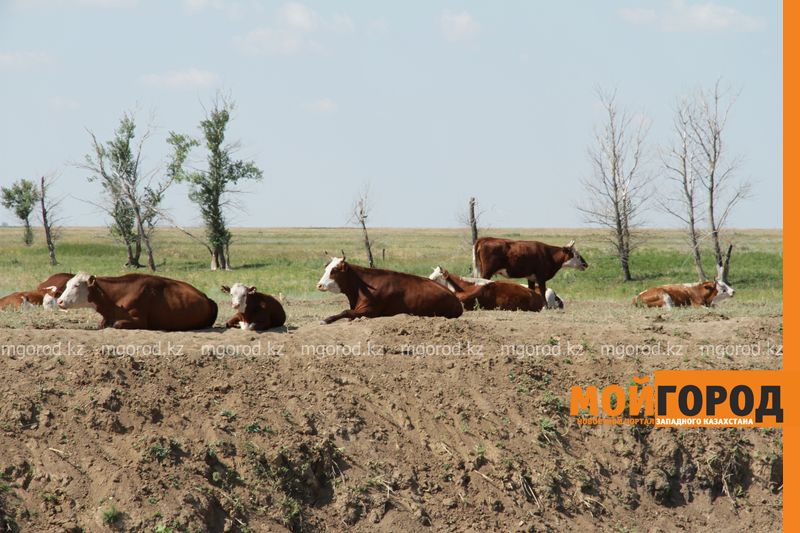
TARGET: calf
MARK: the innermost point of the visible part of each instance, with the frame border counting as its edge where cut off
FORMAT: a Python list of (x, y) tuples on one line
[(705, 293), (25, 299), (56, 284), (141, 301), (490, 295), (374, 292), (534, 260), (254, 310)]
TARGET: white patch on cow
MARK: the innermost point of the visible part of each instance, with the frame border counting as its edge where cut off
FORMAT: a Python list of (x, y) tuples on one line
[(668, 303), (438, 276), (502, 272), (724, 291), (26, 304), (76, 293), (551, 298), (246, 325), (326, 282), (239, 297), (50, 302)]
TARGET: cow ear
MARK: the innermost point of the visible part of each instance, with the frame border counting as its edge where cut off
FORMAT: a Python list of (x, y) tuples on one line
[(226, 289), (251, 290), (91, 281), (51, 288)]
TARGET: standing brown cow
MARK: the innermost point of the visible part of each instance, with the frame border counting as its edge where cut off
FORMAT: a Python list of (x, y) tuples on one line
[(374, 292), (141, 301), (534, 260)]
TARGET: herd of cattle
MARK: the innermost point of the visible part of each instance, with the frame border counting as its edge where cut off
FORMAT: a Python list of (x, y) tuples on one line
[(141, 301)]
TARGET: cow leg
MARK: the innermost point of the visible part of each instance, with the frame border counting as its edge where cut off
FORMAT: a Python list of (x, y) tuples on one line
[(233, 322), (349, 314), (129, 324), (668, 303)]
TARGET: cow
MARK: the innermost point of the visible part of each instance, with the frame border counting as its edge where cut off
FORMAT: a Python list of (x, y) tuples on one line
[(705, 293), (486, 294), (534, 260), (140, 301), (374, 292), (254, 310), (24, 299), (55, 284)]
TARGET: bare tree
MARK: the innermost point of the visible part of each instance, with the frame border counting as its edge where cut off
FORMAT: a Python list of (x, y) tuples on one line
[(471, 219), (679, 161), (716, 169), (618, 187), (361, 211), (48, 217)]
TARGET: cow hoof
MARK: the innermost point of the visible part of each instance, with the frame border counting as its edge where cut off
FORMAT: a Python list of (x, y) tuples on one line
[(323, 323)]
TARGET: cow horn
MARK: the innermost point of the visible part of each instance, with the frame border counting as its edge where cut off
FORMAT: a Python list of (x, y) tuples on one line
[(343, 256), (571, 243)]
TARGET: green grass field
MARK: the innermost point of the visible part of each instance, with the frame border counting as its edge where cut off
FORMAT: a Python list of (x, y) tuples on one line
[(290, 260)]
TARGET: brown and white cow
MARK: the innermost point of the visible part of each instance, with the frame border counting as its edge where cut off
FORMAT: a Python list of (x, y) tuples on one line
[(254, 310), (486, 294), (141, 301), (374, 292), (55, 285), (536, 261), (25, 299), (705, 293)]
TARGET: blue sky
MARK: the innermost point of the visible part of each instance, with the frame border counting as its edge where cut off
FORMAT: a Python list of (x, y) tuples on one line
[(427, 102)]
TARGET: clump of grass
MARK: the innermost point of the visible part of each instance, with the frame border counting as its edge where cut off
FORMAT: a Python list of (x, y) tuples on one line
[(112, 515)]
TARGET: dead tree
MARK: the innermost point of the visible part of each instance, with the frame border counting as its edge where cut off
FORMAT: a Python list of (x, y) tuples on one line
[(618, 187), (471, 219), (716, 169), (360, 213), (679, 161), (47, 214)]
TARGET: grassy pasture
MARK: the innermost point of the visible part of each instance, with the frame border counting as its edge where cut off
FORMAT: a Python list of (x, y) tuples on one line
[(290, 260)]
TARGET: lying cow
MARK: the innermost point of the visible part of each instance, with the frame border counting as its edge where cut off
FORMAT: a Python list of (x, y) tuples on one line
[(705, 293), (374, 292), (485, 294), (254, 310), (55, 285), (534, 260), (25, 299), (140, 301)]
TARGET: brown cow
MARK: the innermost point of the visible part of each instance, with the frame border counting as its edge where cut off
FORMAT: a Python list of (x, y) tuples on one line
[(705, 293), (254, 310), (141, 301), (534, 260), (23, 299), (57, 283), (491, 295), (374, 292)]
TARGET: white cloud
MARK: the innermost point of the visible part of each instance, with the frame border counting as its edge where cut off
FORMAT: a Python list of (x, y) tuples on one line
[(459, 26), (683, 16), (296, 30), (49, 4), (297, 16), (17, 60), (180, 79), (60, 103), (275, 41), (323, 105), (637, 15)]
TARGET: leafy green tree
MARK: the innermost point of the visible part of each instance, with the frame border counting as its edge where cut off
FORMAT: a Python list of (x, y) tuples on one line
[(210, 189), (132, 199), (21, 198)]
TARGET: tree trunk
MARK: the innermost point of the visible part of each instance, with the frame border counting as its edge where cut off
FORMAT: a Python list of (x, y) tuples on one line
[(131, 261), (218, 261), (367, 244), (51, 248), (473, 223), (626, 269), (142, 236), (28, 233), (726, 265)]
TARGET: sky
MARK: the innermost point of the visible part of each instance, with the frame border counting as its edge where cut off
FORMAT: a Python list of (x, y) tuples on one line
[(425, 103)]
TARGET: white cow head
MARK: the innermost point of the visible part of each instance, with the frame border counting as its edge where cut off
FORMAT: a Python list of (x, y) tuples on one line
[(575, 260), (49, 300), (724, 291), (326, 282), (438, 276), (76, 293), (239, 292)]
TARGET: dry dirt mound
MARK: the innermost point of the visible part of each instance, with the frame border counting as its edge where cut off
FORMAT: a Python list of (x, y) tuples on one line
[(356, 426)]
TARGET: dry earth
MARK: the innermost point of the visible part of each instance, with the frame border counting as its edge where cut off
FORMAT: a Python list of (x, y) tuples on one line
[(360, 426)]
